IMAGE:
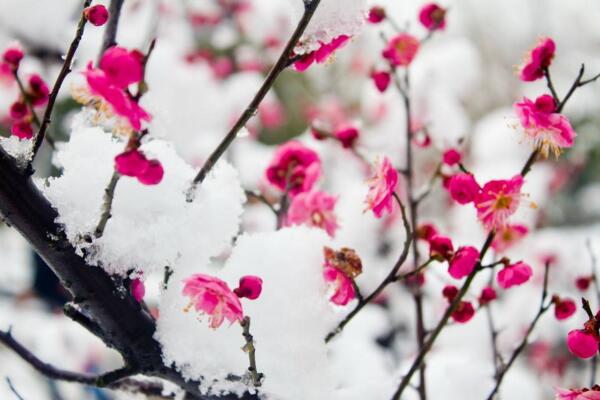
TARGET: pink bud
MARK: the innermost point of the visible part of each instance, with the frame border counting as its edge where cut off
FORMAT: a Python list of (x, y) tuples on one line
[(450, 292), (464, 312), (130, 163), (347, 136), (514, 275), (376, 15), (13, 56), (463, 262), (582, 344), (152, 174), (18, 110), (440, 246), (463, 188), (488, 294), (38, 90), (451, 157), (138, 289), (96, 15), (250, 287), (583, 283), (22, 130), (564, 308), (381, 79)]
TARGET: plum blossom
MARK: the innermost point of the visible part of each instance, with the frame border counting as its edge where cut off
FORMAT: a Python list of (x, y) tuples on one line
[(250, 287), (18, 110), (432, 16), (547, 129), (488, 294), (347, 135), (313, 209), (508, 236), (12, 56), (38, 90), (322, 54), (96, 15), (22, 129), (464, 312), (463, 188), (440, 247), (563, 308), (401, 49), (294, 168), (135, 164), (578, 394), (381, 188), (212, 296), (451, 157), (426, 232), (376, 14), (538, 59), (497, 201), (463, 262), (514, 275), (340, 268), (582, 344), (583, 282), (381, 80), (138, 289)]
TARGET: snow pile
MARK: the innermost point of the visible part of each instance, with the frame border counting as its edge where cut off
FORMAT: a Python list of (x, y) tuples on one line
[(151, 226), (19, 149), (289, 320)]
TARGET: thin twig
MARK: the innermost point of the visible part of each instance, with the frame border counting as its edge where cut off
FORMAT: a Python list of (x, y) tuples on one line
[(391, 277), (255, 376), (544, 306), (64, 71), (12, 389), (281, 64), (551, 85), (109, 194), (261, 199)]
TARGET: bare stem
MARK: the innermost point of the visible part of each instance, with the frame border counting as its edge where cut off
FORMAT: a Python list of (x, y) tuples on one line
[(544, 306), (259, 197), (12, 389), (255, 376), (109, 194), (64, 71), (309, 10), (391, 277)]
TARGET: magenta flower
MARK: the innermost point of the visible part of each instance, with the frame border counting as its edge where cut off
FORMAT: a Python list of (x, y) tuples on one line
[(152, 174), (376, 14), (548, 130), (463, 262), (451, 157), (250, 287), (563, 308), (440, 247), (22, 129), (464, 312), (347, 135), (322, 54), (121, 66), (432, 17), (539, 58), (381, 79), (514, 275), (12, 56), (508, 236), (313, 209), (212, 296), (341, 284), (426, 232), (295, 168), (18, 110), (381, 188), (339, 269), (497, 201), (138, 289), (582, 344), (578, 394), (401, 49), (449, 292), (463, 188), (135, 164), (96, 15), (488, 294), (38, 90)]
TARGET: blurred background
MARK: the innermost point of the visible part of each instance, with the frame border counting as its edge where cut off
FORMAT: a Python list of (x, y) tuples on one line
[(210, 58)]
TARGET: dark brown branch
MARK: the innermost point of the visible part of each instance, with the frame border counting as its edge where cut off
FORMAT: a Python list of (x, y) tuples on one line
[(250, 111), (109, 194), (551, 85), (390, 278), (110, 32), (544, 306), (65, 70), (255, 377)]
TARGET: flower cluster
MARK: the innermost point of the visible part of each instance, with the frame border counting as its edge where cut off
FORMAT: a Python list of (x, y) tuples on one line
[(135, 164), (464, 310), (340, 269)]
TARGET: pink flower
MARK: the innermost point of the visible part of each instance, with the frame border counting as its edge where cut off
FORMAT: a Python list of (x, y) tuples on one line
[(18, 110), (138, 289), (294, 168), (463, 188), (432, 16), (426, 232), (152, 174), (578, 394), (538, 59), (507, 236), (401, 49), (497, 201), (381, 79), (583, 282), (464, 312), (440, 247), (563, 308), (449, 292), (135, 164), (121, 66), (451, 157), (381, 188), (12, 56), (582, 344), (313, 209), (341, 284), (376, 15), (543, 126), (250, 287), (38, 90), (347, 135), (212, 296), (96, 15), (514, 275), (488, 294), (463, 262), (322, 54), (22, 129)]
